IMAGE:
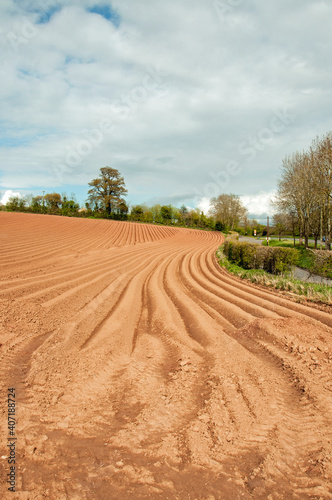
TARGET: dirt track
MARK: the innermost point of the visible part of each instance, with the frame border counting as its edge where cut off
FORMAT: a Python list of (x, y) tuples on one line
[(143, 371)]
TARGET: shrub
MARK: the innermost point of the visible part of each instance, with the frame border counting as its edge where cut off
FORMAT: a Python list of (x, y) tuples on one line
[(311, 291), (322, 264), (251, 256)]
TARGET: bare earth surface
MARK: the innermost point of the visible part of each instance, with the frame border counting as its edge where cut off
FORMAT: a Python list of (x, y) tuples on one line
[(142, 370)]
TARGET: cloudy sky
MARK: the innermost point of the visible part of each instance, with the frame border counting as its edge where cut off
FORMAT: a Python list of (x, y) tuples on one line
[(187, 98)]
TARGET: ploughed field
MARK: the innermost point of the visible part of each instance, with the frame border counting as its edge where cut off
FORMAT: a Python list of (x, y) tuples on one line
[(142, 370)]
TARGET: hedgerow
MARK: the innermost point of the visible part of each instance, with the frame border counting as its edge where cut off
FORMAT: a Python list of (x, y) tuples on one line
[(274, 260)]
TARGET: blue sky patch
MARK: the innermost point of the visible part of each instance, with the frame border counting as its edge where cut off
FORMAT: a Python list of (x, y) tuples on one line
[(107, 12), (47, 14)]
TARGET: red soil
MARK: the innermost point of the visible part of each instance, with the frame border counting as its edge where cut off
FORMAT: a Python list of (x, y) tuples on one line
[(142, 370)]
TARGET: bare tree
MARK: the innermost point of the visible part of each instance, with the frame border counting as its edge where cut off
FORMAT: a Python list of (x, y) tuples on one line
[(305, 189), (228, 209), (280, 223), (296, 190), (321, 151)]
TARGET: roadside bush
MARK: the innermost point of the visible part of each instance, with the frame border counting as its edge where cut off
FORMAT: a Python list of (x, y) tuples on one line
[(278, 260), (322, 264), (316, 292), (251, 256), (243, 254)]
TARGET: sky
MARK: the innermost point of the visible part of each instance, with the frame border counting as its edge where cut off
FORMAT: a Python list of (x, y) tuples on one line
[(187, 99)]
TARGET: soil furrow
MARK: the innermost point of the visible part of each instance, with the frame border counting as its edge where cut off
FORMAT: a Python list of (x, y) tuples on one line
[(144, 371)]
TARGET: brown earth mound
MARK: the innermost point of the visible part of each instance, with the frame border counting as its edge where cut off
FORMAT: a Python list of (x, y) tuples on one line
[(142, 370)]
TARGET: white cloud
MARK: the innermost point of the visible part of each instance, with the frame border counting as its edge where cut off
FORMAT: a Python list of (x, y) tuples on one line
[(259, 204), (204, 205), (178, 80), (8, 194)]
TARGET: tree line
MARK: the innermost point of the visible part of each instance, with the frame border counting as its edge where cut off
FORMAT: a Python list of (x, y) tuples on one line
[(106, 199), (304, 196)]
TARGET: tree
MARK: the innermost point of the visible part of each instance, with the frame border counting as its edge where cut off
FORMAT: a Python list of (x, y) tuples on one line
[(107, 190), (296, 190), (15, 204), (166, 213), (280, 223), (228, 209), (183, 210), (123, 209), (321, 151), (53, 201), (155, 209), (69, 207), (137, 212), (305, 189), (37, 204)]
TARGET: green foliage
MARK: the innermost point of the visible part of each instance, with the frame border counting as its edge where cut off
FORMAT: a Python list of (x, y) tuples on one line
[(53, 202), (279, 260), (15, 204), (170, 215), (321, 263), (69, 207), (107, 190), (252, 256), (166, 213), (315, 292), (228, 209), (315, 261), (137, 213), (220, 226), (37, 204)]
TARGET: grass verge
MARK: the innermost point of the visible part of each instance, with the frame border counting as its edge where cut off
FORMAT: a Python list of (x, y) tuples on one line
[(307, 258), (314, 292)]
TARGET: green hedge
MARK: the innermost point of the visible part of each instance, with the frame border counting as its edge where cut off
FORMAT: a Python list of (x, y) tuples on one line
[(274, 260), (322, 263)]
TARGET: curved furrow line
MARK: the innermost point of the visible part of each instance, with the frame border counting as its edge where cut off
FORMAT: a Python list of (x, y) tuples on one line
[(105, 329), (156, 371), (291, 417), (61, 270), (62, 291), (114, 271), (112, 336), (77, 269), (168, 374), (132, 240), (23, 289), (73, 242), (107, 241), (51, 241), (121, 241), (129, 237), (166, 320), (220, 300), (65, 273), (199, 325), (281, 306)]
